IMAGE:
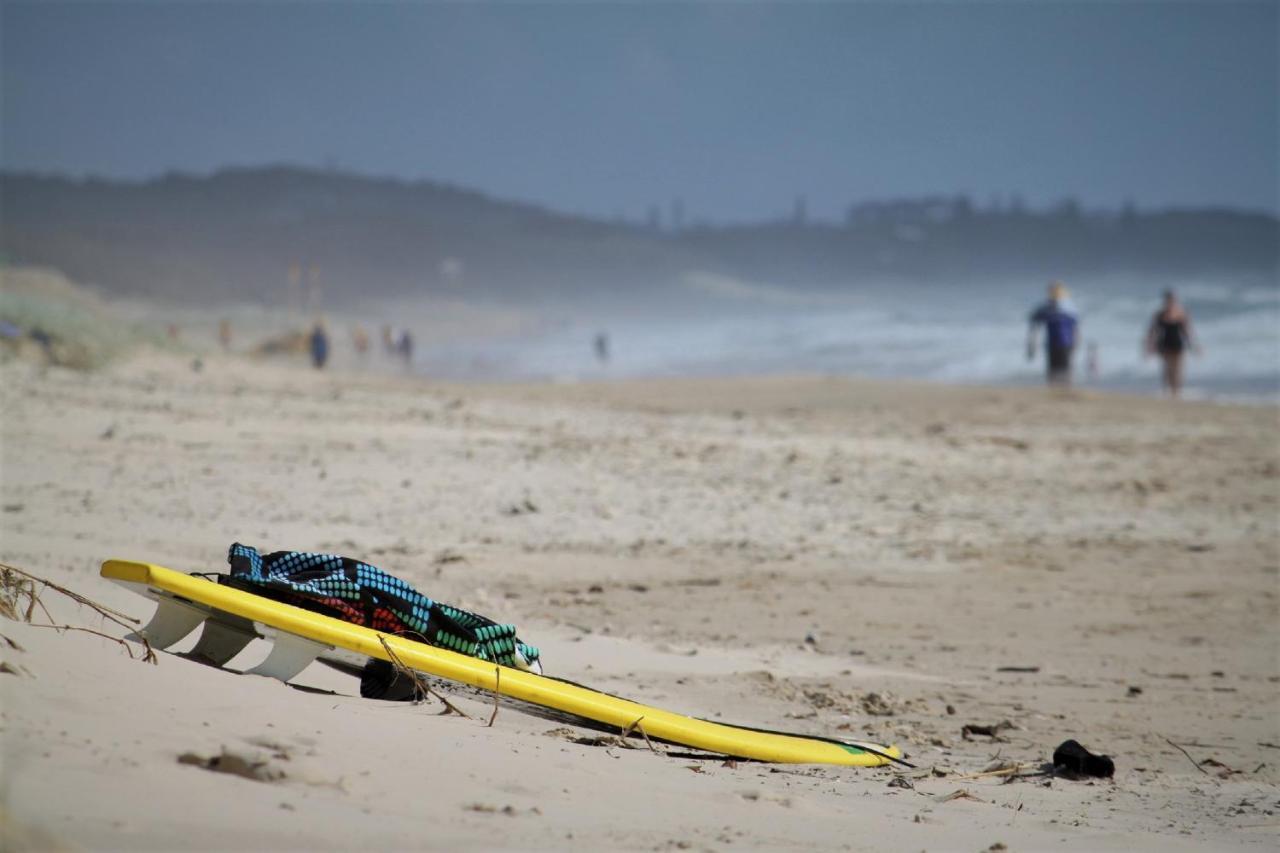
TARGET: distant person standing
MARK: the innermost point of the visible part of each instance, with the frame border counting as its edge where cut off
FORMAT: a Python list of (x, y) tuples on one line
[(1060, 332), (1169, 336), (602, 348), (224, 334), (405, 347), (360, 340), (319, 342)]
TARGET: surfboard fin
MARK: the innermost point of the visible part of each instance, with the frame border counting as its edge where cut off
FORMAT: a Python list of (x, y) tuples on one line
[(224, 636), (290, 655), (172, 621)]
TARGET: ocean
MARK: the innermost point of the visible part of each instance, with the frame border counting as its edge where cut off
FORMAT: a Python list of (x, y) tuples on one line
[(969, 335)]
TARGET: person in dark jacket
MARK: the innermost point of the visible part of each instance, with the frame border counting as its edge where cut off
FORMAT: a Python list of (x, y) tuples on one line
[(319, 344), (1061, 330)]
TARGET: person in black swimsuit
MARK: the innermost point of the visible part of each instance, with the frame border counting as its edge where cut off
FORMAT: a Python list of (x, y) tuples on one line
[(1169, 336)]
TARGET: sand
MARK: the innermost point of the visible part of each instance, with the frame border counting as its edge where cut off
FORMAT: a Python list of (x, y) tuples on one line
[(807, 553)]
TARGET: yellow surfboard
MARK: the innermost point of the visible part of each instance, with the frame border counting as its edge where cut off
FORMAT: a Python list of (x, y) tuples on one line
[(232, 617)]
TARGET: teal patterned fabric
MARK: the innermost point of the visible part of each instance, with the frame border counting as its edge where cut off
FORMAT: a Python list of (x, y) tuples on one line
[(366, 595)]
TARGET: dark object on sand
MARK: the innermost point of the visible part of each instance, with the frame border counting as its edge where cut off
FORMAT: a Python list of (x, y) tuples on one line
[(380, 680), (1074, 758), (968, 730)]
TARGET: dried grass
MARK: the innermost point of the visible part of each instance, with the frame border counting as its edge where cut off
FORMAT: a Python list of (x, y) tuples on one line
[(18, 585)]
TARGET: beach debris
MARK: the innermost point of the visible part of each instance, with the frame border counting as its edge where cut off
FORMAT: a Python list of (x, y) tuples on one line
[(497, 693), (878, 704), (485, 808), (699, 582), (1006, 441), (1133, 690), (969, 730), (524, 507), (1224, 771), (1004, 767), (960, 794), (1017, 669), (446, 556), (602, 740), (247, 767), (1073, 759), (901, 782), (18, 584), (626, 733)]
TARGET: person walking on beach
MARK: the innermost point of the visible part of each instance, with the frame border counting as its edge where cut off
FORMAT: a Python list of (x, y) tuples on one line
[(1061, 329), (1169, 336), (404, 347), (319, 343)]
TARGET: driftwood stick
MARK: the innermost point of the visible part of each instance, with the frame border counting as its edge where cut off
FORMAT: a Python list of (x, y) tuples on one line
[(1002, 771), (636, 727), (148, 656), (497, 693), (1188, 755)]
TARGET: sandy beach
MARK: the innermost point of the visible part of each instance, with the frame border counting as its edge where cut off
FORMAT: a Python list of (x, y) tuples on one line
[(892, 561)]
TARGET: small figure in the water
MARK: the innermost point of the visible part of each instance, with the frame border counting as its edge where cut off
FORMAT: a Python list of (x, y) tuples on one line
[(1169, 336), (602, 347), (319, 345)]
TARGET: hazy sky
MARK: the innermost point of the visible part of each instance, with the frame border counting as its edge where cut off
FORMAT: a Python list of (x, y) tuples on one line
[(607, 108)]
